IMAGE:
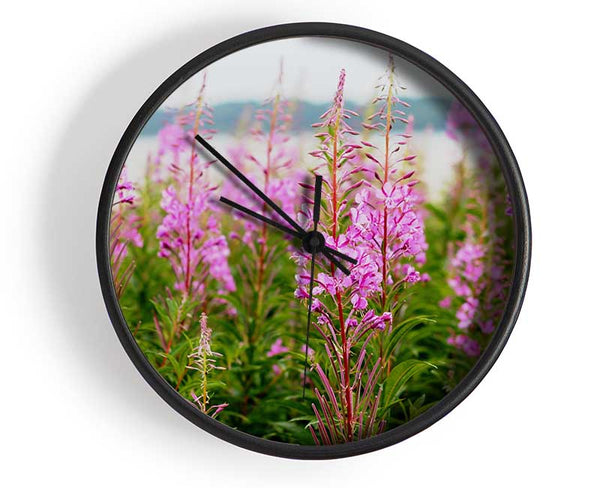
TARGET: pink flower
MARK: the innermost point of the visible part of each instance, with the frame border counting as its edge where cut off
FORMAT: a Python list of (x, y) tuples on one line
[(487, 326), (466, 312), (277, 348), (196, 251), (469, 259), (386, 219), (404, 232), (214, 253), (344, 318), (270, 166), (311, 351), (124, 232), (372, 321), (171, 140), (461, 126), (469, 346), (124, 217), (478, 270), (193, 250)]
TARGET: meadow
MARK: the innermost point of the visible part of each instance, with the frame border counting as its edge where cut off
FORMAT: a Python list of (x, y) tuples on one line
[(217, 301)]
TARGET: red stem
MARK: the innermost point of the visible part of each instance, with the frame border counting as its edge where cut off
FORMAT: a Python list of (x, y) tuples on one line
[(263, 245), (384, 244), (345, 346)]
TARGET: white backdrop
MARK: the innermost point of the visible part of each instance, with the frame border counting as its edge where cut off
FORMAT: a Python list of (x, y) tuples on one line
[(75, 412)]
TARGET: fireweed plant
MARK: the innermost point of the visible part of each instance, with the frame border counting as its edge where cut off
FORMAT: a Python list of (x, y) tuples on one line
[(478, 262), (217, 301), (124, 232)]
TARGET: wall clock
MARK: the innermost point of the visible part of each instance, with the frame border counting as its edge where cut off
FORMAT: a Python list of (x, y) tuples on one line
[(313, 240)]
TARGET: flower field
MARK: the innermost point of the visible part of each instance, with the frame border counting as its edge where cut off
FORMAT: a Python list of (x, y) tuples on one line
[(217, 301)]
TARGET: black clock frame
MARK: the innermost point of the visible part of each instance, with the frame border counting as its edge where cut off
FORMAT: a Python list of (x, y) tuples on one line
[(515, 188)]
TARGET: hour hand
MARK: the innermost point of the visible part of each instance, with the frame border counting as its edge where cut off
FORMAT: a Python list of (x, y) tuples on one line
[(300, 232), (262, 218), (248, 183), (329, 252)]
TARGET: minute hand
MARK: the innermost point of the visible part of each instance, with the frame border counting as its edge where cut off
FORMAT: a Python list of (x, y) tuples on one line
[(249, 184), (285, 228), (328, 250)]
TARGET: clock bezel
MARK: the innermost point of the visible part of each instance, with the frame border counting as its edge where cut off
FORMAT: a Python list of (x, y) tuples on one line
[(515, 187)]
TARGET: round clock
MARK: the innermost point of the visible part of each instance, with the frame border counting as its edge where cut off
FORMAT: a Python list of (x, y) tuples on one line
[(313, 240)]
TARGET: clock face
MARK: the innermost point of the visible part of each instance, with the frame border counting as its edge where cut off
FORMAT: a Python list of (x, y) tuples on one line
[(312, 241)]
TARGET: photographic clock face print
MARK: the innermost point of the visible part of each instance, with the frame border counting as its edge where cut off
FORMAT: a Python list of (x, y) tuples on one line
[(311, 242)]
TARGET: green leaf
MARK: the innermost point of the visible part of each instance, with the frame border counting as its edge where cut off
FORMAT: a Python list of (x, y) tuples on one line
[(438, 212), (400, 330), (399, 376)]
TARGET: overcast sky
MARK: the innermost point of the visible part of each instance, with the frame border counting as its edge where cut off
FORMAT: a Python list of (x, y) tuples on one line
[(311, 69)]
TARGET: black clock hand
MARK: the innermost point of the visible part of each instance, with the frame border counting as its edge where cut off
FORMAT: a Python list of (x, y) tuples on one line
[(316, 215), (262, 218), (317, 201), (328, 251), (308, 321), (249, 184)]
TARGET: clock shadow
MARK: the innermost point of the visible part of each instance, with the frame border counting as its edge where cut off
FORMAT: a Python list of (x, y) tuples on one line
[(67, 256), (67, 228)]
